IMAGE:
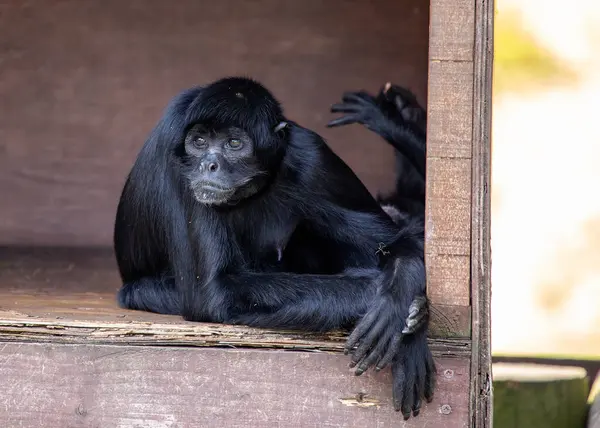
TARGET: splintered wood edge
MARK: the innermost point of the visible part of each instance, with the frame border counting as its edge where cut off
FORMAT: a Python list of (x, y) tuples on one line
[(24, 329)]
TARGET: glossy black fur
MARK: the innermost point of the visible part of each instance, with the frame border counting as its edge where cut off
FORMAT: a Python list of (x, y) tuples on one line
[(313, 250)]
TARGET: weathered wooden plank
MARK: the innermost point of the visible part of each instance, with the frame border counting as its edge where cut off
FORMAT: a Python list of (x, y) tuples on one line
[(450, 109), (70, 293), (451, 29), (481, 289), (448, 207), (450, 321), (18, 327), (45, 385), (449, 279)]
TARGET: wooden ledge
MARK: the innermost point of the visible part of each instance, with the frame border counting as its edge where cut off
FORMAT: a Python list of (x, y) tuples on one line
[(67, 295), (15, 326)]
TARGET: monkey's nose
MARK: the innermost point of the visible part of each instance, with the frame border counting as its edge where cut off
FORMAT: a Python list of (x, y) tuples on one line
[(210, 166)]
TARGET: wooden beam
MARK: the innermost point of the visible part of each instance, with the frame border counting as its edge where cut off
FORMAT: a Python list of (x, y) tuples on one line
[(18, 327), (449, 141), (481, 288), (51, 385), (79, 288), (449, 109), (452, 25)]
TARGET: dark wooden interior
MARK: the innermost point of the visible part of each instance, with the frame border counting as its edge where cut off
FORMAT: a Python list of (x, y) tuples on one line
[(83, 83)]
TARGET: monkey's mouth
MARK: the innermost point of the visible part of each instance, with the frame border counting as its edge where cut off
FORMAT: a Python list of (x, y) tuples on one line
[(209, 193)]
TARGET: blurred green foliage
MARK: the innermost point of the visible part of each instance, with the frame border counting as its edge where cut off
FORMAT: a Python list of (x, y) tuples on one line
[(520, 62)]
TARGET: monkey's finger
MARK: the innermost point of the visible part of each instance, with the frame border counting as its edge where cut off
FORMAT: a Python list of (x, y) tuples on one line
[(417, 404), (408, 98), (363, 326), (344, 120), (421, 378), (413, 310), (392, 351), (373, 357), (408, 398), (417, 304), (430, 379), (380, 96), (414, 323), (345, 108), (398, 382), (429, 389), (358, 97), (367, 342)]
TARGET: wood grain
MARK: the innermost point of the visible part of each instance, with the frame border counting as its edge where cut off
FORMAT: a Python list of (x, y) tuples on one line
[(49, 385), (448, 206), (68, 296), (83, 83), (481, 256), (450, 109), (451, 30), (449, 279), (450, 321)]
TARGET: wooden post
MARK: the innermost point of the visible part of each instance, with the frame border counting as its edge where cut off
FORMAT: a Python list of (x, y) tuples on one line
[(458, 183)]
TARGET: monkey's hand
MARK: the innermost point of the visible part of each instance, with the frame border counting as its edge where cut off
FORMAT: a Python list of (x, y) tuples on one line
[(393, 105), (402, 100), (382, 340), (418, 315), (360, 107)]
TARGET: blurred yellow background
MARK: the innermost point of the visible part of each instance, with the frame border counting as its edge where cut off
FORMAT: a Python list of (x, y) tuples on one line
[(546, 179)]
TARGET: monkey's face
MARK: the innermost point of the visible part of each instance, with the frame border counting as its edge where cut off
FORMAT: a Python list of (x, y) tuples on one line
[(220, 165)]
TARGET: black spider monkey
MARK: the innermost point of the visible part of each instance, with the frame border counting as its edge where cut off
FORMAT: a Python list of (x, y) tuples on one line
[(234, 214), (396, 116)]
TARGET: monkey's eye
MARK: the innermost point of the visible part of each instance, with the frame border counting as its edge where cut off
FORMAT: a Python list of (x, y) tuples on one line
[(234, 144), (199, 142)]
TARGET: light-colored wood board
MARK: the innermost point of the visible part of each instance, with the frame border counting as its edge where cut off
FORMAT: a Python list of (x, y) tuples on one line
[(481, 361), (17, 327), (68, 295), (448, 178), (50, 386), (450, 321), (449, 279), (451, 30), (79, 285), (450, 109), (448, 206), (80, 97)]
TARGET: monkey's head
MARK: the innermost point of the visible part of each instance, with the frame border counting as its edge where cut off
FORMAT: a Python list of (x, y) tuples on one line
[(221, 166), (235, 141)]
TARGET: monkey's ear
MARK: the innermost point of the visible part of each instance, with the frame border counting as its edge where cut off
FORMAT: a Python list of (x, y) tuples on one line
[(280, 126)]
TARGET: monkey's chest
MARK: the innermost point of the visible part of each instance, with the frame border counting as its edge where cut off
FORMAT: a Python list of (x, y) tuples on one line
[(263, 244)]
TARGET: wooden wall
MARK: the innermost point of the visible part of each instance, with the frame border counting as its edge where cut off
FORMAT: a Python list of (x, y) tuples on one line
[(83, 82)]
